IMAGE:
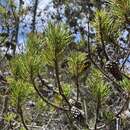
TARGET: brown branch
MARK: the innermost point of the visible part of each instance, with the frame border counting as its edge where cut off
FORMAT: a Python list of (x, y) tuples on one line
[(44, 99), (122, 108), (58, 83), (45, 84), (97, 111), (77, 85), (20, 112), (5, 104)]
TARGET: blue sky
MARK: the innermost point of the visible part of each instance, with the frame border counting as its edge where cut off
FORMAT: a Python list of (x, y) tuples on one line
[(28, 19), (42, 3)]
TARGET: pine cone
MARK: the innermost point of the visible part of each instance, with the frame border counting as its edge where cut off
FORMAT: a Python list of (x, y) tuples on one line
[(113, 68), (77, 113)]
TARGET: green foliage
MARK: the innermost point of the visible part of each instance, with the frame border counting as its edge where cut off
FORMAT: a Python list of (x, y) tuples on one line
[(19, 67), (11, 3), (67, 88), (57, 37), (126, 85), (40, 104), (34, 64), (76, 63), (107, 28), (20, 90), (99, 88), (22, 128), (58, 100), (109, 116), (35, 44), (30, 63), (121, 9), (9, 117), (3, 10), (49, 49)]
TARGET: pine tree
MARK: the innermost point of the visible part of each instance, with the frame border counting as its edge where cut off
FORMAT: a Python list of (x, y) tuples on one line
[(84, 84)]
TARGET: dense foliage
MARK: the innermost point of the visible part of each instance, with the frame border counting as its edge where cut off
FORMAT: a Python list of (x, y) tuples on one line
[(59, 82)]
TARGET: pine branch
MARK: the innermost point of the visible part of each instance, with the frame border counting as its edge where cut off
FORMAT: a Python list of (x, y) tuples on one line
[(44, 99), (58, 82), (20, 112)]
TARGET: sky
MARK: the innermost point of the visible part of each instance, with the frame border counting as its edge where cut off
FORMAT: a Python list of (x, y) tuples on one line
[(28, 19), (42, 3)]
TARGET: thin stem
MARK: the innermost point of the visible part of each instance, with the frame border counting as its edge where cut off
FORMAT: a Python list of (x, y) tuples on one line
[(34, 16), (19, 109), (77, 85), (45, 84), (97, 111), (40, 95), (124, 105), (5, 105), (22, 119), (77, 82), (45, 100), (58, 83)]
